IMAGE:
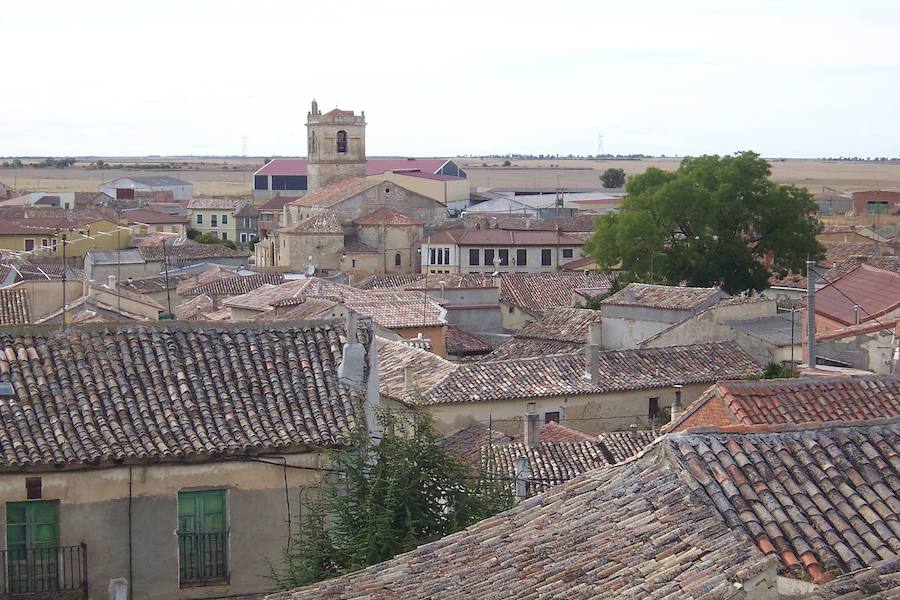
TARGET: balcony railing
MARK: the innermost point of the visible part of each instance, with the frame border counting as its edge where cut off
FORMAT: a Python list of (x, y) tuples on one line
[(202, 557), (43, 573)]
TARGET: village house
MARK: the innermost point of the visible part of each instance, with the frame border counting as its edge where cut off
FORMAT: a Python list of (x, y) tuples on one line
[(142, 220), (513, 251), (247, 222), (561, 330), (44, 236), (871, 346), (175, 482), (674, 522), (640, 310), (151, 261), (271, 213), (215, 216), (126, 188), (875, 295), (872, 202), (589, 390)]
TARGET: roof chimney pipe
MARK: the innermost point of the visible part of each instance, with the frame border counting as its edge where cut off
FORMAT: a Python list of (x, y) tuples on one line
[(111, 282), (532, 426), (592, 359)]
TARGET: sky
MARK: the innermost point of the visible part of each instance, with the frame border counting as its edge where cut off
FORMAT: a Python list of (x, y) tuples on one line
[(195, 77)]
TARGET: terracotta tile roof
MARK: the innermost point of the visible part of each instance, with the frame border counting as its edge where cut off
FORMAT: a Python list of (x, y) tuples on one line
[(836, 252), (578, 262), (267, 295), (823, 501), (235, 286), (664, 296), (388, 282), (620, 370), (530, 347), (353, 244), (303, 309), (555, 432), (888, 263), (562, 324), (210, 275), (152, 217), (630, 531), (198, 203), (536, 292), (140, 393), (466, 443), (876, 291), (622, 445), (549, 464), (128, 294), (813, 399), (418, 281), (191, 252), (14, 306), (881, 581), (888, 326), (322, 222), (277, 203), (335, 193), (428, 368), (153, 285), (193, 308), (460, 342), (386, 216), (446, 236)]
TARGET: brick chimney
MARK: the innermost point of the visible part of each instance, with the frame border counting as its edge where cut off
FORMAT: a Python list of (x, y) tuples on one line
[(532, 426)]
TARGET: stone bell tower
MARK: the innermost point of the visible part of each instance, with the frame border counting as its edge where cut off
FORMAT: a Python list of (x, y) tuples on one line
[(336, 146)]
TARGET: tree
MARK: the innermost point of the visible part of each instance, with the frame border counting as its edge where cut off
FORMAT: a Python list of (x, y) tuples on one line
[(714, 221), (613, 178), (394, 496), (506, 163)]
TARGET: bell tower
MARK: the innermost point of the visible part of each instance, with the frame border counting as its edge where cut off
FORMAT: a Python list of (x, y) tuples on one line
[(336, 146)]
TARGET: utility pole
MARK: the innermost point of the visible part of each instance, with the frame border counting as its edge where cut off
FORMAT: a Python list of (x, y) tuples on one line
[(811, 311)]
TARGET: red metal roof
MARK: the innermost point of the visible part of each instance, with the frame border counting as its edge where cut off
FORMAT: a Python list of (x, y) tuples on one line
[(876, 291), (375, 166)]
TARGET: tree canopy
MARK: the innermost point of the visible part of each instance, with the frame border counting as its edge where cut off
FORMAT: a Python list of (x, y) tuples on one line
[(613, 178), (388, 498), (716, 220)]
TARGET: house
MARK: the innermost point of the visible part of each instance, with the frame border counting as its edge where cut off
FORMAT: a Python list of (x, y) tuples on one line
[(215, 216), (270, 213), (589, 390), (772, 514), (288, 176), (231, 284), (560, 203), (832, 202), (65, 200), (440, 251), (561, 330), (125, 188), (755, 324), (142, 221), (850, 234), (45, 236), (247, 219), (803, 400), (151, 261), (512, 251), (863, 294), (462, 344), (872, 202), (640, 310), (176, 482), (871, 346), (525, 296)]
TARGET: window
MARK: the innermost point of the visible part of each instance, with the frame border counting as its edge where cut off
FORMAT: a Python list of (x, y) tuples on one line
[(567, 253), (521, 257), (213, 221), (397, 260), (248, 222), (45, 243), (353, 262), (33, 488), (224, 219), (160, 228), (261, 182), (431, 256), (488, 256), (551, 417), (29, 245), (32, 542), (202, 537), (387, 191), (199, 218), (503, 255), (341, 141), (266, 218), (473, 256), (652, 407), (447, 257), (224, 235), (546, 257)]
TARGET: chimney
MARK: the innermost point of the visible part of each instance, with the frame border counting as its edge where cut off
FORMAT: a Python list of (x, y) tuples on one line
[(521, 478), (594, 335), (409, 379), (676, 406), (592, 356), (532, 426), (856, 314), (111, 282)]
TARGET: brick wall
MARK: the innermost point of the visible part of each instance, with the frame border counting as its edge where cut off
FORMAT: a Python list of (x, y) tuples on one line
[(712, 414)]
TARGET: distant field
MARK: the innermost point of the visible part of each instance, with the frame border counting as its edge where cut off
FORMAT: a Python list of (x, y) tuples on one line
[(814, 174), (232, 176)]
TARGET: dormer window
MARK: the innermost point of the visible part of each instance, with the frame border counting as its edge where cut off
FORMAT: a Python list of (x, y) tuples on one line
[(342, 142)]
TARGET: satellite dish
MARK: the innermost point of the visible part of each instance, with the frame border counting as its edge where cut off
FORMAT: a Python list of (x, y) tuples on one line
[(310, 270)]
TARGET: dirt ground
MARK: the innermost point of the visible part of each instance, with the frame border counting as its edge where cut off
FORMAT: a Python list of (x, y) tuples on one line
[(233, 176)]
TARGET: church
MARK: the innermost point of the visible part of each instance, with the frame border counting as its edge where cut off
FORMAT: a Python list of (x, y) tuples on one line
[(347, 221)]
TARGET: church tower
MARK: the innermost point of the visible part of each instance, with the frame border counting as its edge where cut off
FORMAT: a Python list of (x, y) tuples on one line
[(336, 146)]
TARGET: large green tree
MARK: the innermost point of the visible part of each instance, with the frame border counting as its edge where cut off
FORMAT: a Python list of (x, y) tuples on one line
[(714, 221)]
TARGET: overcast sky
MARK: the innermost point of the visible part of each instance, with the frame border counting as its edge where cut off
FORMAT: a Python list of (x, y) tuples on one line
[(799, 79)]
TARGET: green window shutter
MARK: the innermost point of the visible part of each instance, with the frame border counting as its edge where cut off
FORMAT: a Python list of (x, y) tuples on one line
[(32, 544), (202, 537)]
